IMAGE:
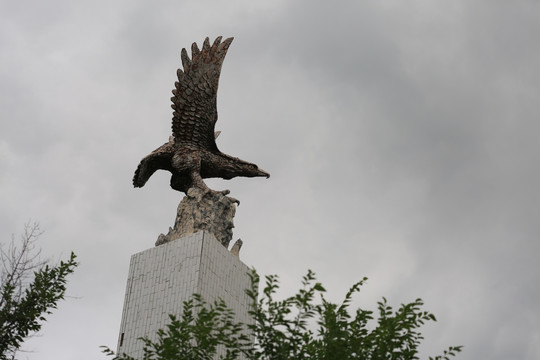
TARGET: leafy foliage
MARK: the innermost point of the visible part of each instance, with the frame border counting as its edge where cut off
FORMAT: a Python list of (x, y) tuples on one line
[(303, 326), (284, 328), (200, 332), (30, 289)]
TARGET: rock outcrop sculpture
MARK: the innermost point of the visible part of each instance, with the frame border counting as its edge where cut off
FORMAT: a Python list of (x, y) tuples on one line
[(202, 210)]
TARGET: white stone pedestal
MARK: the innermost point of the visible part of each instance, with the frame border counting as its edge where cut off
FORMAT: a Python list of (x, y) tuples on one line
[(161, 278)]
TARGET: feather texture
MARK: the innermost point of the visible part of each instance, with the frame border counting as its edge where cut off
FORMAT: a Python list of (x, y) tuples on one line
[(159, 159), (195, 95)]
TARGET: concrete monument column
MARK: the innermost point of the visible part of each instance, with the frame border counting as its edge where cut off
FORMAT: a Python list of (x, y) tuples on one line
[(161, 278)]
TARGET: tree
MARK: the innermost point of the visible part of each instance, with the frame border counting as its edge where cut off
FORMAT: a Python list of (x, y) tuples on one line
[(30, 288), (303, 326)]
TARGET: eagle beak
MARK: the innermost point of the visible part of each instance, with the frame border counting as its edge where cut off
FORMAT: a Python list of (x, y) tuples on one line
[(263, 173)]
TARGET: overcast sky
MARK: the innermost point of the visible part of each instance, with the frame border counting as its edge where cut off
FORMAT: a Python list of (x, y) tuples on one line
[(402, 139)]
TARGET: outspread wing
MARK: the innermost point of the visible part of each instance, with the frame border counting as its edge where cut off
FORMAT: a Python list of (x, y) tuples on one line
[(195, 94), (159, 159)]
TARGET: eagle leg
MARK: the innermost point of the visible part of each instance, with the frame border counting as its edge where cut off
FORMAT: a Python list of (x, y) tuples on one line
[(198, 182)]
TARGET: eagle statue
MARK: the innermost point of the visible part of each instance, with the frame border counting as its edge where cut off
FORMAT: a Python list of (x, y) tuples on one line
[(191, 154)]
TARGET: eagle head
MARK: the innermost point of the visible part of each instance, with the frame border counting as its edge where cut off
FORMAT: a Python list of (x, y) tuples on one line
[(238, 167)]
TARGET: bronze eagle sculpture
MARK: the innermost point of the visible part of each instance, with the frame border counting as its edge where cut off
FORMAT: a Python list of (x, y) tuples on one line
[(191, 154)]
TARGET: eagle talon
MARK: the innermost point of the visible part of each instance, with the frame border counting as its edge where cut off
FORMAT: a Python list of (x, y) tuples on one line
[(225, 193)]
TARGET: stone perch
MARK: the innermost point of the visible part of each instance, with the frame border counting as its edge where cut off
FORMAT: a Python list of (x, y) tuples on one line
[(203, 210)]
